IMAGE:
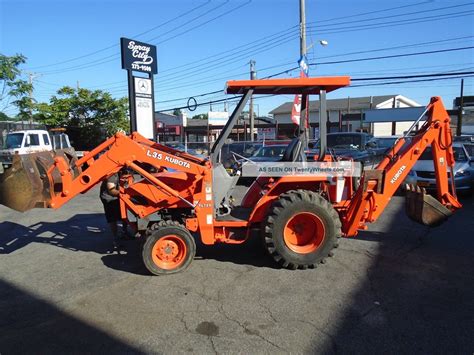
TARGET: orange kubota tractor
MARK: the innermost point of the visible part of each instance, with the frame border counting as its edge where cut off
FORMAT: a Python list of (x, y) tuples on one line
[(173, 197)]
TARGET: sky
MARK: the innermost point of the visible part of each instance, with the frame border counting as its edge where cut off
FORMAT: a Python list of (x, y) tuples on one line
[(203, 43)]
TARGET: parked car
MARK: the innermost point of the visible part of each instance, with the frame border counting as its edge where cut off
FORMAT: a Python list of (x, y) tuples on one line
[(181, 147), (268, 153), (468, 141), (245, 149), (464, 138), (423, 173), (361, 147), (386, 142)]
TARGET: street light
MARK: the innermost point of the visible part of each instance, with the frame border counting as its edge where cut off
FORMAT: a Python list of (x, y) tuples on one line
[(322, 42)]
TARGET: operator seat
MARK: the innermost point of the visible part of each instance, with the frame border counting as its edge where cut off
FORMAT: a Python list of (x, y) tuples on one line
[(295, 150), (223, 185)]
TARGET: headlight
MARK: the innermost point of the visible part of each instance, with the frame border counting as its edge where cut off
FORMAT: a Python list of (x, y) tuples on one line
[(462, 173)]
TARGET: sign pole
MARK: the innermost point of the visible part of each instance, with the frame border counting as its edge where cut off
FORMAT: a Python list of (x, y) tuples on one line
[(155, 130), (131, 102)]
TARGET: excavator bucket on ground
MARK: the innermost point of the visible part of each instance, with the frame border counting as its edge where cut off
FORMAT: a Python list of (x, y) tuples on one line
[(25, 185), (424, 208)]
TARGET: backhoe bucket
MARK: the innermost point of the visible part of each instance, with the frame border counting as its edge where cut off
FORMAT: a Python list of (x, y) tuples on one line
[(424, 208), (25, 185)]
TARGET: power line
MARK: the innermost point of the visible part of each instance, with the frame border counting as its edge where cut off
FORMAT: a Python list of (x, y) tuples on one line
[(414, 76), (115, 45), (373, 12), (110, 58), (235, 59), (394, 23), (227, 54), (326, 63), (397, 15), (106, 59), (374, 58), (216, 57), (359, 52), (259, 46), (206, 22), (284, 40), (394, 56), (412, 81), (423, 78), (420, 44), (187, 97)]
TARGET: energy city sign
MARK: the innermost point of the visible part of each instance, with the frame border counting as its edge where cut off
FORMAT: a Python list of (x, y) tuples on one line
[(140, 57)]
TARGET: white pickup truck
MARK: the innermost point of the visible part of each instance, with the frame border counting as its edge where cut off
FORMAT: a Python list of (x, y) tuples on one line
[(32, 141)]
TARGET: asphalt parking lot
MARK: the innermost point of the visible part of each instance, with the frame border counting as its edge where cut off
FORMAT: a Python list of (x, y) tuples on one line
[(397, 288)]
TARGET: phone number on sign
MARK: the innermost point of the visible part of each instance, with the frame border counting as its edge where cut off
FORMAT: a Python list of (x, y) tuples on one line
[(141, 67)]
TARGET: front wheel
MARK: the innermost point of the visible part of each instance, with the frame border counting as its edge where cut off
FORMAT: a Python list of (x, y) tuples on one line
[(301, 229), (168, 249)]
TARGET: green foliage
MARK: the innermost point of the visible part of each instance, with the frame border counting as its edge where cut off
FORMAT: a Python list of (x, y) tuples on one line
[(13, 87), (177, 112), (9, 70), (90, 116), (20, 90), (202, 116), (4, 117)]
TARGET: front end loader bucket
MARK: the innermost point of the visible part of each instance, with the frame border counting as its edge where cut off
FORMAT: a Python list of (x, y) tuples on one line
[(26, 185), (424, 208)]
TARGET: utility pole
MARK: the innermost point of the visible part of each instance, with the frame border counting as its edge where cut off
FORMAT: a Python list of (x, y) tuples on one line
[(31, 77), (77, 85), (302, 28), (460, 109), (251, 119), (304, 114)]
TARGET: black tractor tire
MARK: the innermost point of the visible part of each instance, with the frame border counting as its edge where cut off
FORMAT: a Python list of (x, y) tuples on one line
[(301, 229), (168, 249)]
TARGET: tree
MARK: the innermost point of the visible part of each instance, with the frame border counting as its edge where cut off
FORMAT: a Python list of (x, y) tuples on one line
[(21, 92), (4, 117), (89, 116), (177, 112), (13, 87), (202, 116)]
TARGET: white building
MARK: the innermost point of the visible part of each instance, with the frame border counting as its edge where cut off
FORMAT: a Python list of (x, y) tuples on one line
[(347, 114)]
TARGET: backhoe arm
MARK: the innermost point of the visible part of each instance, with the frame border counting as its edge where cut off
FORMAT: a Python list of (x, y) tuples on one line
[(378, 186)]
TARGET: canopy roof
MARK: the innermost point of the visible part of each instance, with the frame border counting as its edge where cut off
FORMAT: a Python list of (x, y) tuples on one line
[(311, 86)]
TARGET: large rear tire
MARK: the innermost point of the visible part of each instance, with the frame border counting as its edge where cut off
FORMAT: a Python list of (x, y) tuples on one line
[(301, 229), (168, 249)]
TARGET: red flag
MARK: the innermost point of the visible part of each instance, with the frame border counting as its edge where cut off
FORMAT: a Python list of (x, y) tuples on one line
[(296, 109)]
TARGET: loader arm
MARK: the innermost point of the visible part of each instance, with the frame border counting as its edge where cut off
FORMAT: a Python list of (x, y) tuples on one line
[(378, 186), (52, 182)]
